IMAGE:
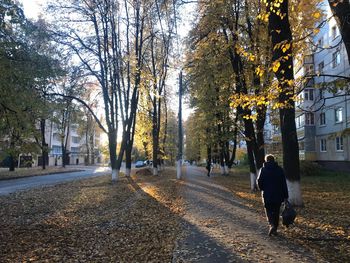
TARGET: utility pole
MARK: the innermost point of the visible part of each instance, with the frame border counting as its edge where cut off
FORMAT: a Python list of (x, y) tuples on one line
[(179, 157)]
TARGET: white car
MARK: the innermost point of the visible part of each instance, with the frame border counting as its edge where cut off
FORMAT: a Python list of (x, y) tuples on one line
[(139, 164)]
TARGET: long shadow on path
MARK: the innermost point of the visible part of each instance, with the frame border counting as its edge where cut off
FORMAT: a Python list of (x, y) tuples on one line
[(236, 233)]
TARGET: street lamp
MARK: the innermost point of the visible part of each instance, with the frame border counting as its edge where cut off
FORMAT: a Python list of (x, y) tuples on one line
[(179, 156)]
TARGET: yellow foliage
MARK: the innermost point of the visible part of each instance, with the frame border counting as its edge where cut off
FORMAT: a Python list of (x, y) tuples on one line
[(259, 71), (286, 47), (316, 15), (276, 65)]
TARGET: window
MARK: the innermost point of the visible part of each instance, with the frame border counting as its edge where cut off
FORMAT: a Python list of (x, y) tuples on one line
[(309, 94), (309, 69), (300, 121), (309, 118), (299, 99), (56, 150), (339, 115), (74, 127), (323, 145), (320, 67), (323, 118), (334, 32), (308, 59), (75, 139), (56, 137), (339, 146), (74, 149), (335, 59)]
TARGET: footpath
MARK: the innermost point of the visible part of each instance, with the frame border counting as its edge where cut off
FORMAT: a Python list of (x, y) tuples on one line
[(218, 228)]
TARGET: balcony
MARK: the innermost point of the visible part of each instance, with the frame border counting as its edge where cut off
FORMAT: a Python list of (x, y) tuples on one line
[(304, 67), (308, 70), (308, 59)]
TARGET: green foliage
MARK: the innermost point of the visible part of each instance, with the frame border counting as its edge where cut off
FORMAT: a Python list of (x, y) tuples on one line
[(194, 139), (25, 70), (308, 168)]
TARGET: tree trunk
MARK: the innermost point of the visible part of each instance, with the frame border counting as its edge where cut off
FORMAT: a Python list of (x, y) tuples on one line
[(112, 143), (250, 138), (235, 133), (122, 149), (222, 159), (145, 145), (155, 155), (165, 127), (92, 149), (227, 157), (209, 164), (128, 151), (279, 29), (12, 163), (155, 138), (87, 147), (43, 144), (64, 157), (252, 166), (241, 87), (260, 123), (341, 12)]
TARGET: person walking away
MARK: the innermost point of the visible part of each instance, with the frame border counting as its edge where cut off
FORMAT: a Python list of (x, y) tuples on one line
[(272, 183), (208, 167)]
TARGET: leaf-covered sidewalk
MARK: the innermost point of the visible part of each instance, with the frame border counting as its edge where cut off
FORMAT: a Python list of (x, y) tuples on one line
[(92, 221), (160, 219), (220, 228)]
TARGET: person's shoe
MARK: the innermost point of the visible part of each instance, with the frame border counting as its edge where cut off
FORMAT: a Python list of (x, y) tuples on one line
[(272, 231)]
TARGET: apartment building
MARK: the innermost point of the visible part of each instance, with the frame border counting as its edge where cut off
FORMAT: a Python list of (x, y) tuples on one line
[(77, 152), (323, 109)]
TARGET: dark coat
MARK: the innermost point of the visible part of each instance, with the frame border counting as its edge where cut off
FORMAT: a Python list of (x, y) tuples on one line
[(272, 183)]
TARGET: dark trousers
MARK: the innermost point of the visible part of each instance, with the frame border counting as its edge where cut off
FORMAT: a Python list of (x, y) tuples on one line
[(272, 211)]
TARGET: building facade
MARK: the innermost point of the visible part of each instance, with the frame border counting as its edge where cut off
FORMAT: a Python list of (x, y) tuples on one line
[(323, 109), (77, 145), (76, 152)]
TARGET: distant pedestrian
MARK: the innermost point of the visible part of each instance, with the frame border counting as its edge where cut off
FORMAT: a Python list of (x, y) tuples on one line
[(273, 185), (209, 167)]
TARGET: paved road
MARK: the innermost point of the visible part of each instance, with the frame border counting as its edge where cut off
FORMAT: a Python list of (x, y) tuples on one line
[(13, 185), (220, 228)]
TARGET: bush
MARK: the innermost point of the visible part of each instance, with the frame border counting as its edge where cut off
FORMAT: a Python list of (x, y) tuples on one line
[(308, 168)]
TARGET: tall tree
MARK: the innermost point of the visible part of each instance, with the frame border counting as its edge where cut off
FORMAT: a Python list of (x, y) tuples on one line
[(110, 39), (161, 26), (281, 38), (94, 37), (229, 23)]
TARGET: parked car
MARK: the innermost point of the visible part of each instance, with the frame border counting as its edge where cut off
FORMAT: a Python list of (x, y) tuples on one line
[(148, 162), (139, 164)]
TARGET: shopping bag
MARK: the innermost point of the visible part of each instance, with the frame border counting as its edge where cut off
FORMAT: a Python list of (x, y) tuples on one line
[(288, 214)]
